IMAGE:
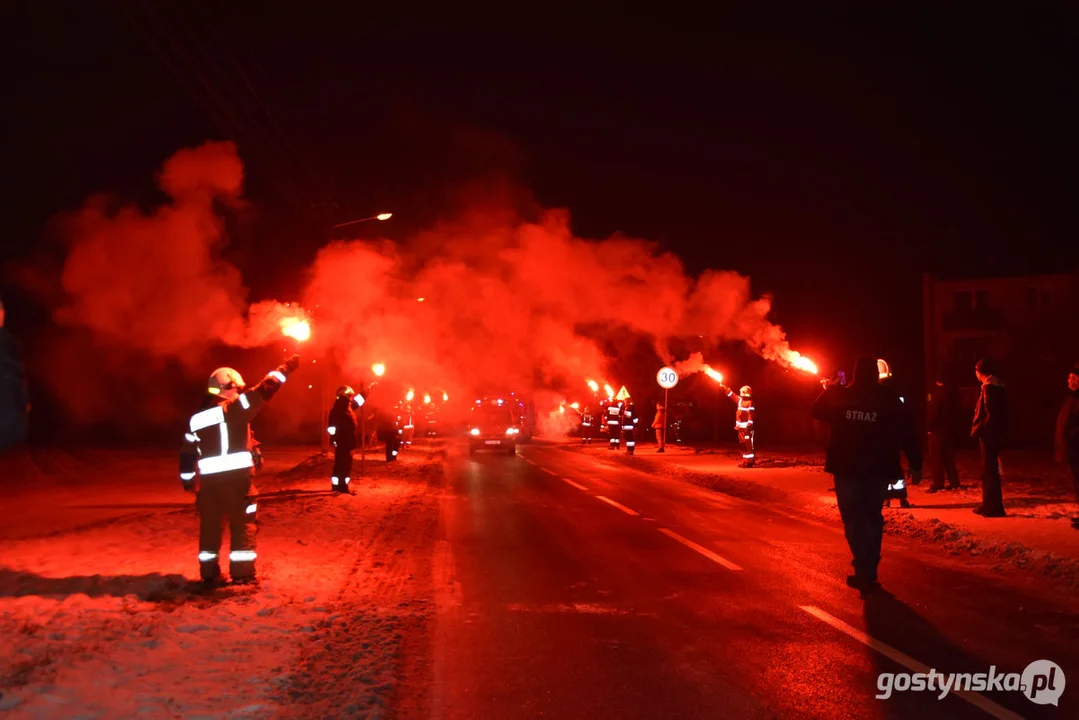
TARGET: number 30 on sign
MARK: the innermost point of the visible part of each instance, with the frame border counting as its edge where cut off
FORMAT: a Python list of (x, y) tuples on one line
[(667, 378)]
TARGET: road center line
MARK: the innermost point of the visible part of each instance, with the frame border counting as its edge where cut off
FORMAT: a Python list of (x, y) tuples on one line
[(576, 485), (620, 506), (702, 550), (977, 700)]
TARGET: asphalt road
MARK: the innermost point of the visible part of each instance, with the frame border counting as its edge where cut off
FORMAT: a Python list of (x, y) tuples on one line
[(567, 587)]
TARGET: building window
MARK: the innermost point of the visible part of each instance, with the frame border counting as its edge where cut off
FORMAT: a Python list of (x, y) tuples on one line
[(964, 353), (1032, 298), (981, 300), (963, 300)]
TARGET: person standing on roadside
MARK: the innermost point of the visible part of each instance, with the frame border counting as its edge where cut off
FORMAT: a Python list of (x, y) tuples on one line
[(943, 412), (660, 426), (870, 426), (1067, 434), (989, 428)]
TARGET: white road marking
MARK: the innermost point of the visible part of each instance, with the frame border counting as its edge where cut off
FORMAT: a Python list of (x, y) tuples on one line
[(702, 550), (576, 485), (977, 700), (620, 506)]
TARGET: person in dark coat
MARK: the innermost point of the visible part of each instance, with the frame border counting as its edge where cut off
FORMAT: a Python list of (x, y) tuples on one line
[(942, 416), (869, 426), (1067, 433), (897, 489), (341, 426), (14, 399), (990, 429)]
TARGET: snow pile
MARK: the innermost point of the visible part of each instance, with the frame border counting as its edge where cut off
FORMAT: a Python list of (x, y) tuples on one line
[(102, 621), (960, 541)]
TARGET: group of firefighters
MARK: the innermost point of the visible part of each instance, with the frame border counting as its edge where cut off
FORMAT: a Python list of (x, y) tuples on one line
[(220, 455), (617, 419)]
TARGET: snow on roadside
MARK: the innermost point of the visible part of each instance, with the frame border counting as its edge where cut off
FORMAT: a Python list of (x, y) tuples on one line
[(101, 622)]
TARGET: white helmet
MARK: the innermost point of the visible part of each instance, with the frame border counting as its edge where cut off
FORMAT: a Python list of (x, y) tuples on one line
[(883, 370), (225, 382), (746, 391)]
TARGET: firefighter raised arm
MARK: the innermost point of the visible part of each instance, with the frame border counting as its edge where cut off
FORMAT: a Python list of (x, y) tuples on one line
[(219, 460), (227, 402)]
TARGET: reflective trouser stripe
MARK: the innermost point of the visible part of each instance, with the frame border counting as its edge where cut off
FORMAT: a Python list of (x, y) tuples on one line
[(205, 557), (252, 508), (334, 480), (242, 556)]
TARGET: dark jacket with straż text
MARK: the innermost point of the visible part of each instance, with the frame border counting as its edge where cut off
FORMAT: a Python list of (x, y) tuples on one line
[(870, 427)]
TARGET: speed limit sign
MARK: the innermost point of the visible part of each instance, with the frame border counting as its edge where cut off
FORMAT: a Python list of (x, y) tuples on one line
[(667, 378)]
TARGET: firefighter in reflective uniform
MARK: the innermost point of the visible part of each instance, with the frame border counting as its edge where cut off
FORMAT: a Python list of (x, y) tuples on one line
[(897, 489), (587, 425), (217, 464), (743, 423), (613, 415), (341, 427), (629, 426)]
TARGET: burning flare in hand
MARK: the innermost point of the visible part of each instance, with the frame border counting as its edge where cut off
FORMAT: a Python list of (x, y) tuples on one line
[(713, 373), (593, 385), (296, 328), (800, 362), (378, 369), (610, 392)]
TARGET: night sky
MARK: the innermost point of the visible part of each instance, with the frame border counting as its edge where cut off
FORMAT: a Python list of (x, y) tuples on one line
[(831, 158)]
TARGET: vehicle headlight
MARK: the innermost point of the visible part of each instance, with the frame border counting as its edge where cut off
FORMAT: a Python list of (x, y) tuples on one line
[(475, 431), (512, 431)]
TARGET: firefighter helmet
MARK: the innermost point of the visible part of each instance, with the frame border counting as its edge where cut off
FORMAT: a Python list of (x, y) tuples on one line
[(225, 381), (345, 391), (883, 370), (746, 391)]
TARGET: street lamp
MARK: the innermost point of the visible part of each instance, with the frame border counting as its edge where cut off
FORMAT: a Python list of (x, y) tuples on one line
[(380, 216)]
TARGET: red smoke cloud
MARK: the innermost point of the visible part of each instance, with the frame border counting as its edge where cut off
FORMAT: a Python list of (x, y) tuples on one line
[(507, 303), (154, 281), (516, 304)]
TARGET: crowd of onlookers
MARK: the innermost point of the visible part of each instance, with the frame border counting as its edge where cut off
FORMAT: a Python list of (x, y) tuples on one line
[(990, 429)]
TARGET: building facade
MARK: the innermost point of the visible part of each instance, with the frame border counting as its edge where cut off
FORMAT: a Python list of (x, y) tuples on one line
[(1030, 324)]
